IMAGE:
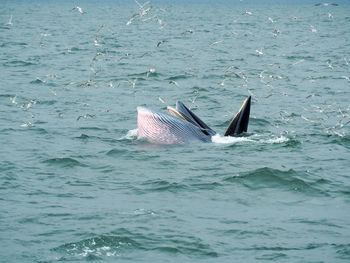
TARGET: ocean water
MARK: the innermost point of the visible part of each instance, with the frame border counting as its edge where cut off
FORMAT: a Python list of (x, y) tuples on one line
[(77, 185)]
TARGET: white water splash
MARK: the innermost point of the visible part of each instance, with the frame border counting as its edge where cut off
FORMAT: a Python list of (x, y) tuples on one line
[(217, 138), (131, 134), (254, 139), (281, 139)]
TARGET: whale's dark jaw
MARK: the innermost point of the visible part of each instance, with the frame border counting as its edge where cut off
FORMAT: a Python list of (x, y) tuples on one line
[(181, 125), (239, 123)]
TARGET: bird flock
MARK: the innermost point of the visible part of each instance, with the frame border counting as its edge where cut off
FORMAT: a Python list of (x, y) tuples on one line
[(236, 76)]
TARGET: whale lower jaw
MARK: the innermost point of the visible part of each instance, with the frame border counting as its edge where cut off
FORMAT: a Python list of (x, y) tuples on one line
[(163, 128)]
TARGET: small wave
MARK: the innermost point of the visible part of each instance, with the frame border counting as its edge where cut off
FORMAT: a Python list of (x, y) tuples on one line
[(83, 136), (131, 135), (177, 77), (273, 178), (121, 241), (116, 152), (162, 185), (343, 250), (97, 247), (19, 63), (64, 162), (38, 81)]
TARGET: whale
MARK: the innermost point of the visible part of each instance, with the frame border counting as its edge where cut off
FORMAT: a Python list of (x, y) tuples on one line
[(180, 125)]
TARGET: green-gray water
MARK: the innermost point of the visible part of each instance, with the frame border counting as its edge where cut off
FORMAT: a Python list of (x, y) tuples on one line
[(75, 183)]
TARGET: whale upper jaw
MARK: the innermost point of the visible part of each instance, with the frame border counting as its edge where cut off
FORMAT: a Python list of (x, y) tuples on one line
[(239, 123)]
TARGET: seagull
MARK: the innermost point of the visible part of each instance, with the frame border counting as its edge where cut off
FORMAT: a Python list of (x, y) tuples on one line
[(13, 100), (96, 41), (79, 9), (329, 64), (224, 81), (247, 13), (161, 100), (306, 119), (132, 83), (191, 31), (160, 22), (144, 54), (143, 5), (271, 20), (126, 55), (53, 92), (27, 124), (330, 16), (145, 11), (260, 52), (150, 71), (85, 116), (9, 23), (298, 62), (313, 29), (216, 42), (97, 55), (131, 19), (347, 78), (29, 104), (161, 42), (276, 32), (174, 82)]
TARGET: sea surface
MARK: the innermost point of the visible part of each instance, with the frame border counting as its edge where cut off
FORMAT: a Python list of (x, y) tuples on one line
[(76, 185)]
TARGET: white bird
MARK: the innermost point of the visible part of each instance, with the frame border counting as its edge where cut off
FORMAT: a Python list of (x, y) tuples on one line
[(80, 10), (224, 81), (247, 13), (298, 62), (9, 23), (85, 116), (173, 82), (161, 42), (271, 20), (261, 76), (27, 124), (330, 16), (53, 92), (313, 29), (160, 22), (191, 31), (151, 71), (13, 100), (161, 100), (131, 83), (329, 64), (143, 5), (216, 42), (131, 19), (306, 119), (260, 52), (347, 78)]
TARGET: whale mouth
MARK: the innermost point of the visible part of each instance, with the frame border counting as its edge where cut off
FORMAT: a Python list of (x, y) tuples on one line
[(180, 125)]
